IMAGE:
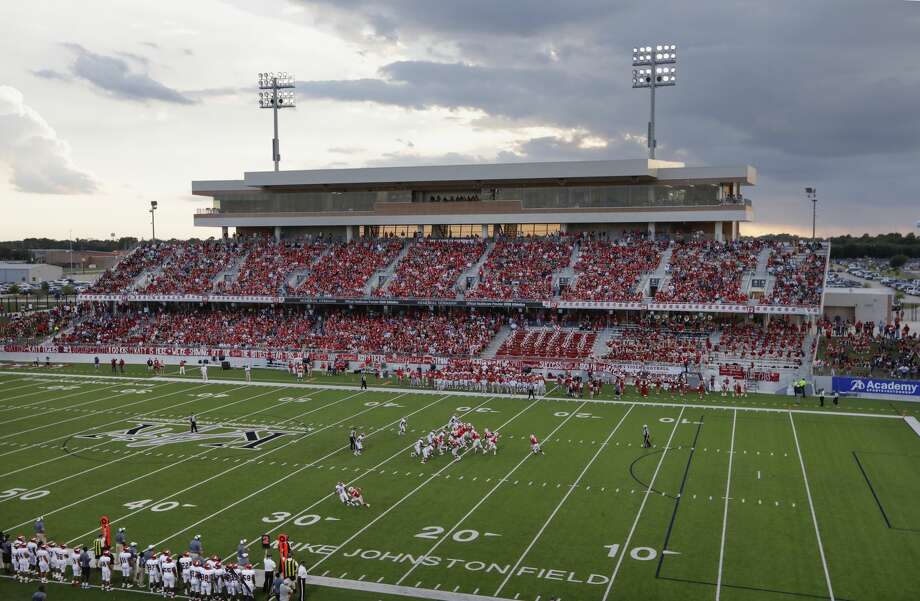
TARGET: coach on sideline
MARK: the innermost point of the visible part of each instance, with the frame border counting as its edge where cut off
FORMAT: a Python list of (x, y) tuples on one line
[(302, 582)]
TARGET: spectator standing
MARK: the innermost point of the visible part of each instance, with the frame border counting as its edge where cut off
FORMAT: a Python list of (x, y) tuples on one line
[(40, 595)]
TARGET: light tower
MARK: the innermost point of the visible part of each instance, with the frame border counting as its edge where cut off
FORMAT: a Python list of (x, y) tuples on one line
[(654, 67), (276, 91), (812, 194), (153, 224)]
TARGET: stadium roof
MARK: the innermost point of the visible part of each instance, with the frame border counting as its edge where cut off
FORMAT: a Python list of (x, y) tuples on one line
[(572, 172)]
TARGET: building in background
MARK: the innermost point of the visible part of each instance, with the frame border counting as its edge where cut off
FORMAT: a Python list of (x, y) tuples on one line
[(77, 259), (29, 273)]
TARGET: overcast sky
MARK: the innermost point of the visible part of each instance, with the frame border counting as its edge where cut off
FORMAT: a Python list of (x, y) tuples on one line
[(107, 105)]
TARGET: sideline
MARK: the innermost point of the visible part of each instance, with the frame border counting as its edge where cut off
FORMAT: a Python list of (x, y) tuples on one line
[(497, 395)]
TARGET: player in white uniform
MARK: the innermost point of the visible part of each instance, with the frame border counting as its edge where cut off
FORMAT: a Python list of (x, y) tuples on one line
[(232, 581), (124, 558), (185, 566), (75, 566), (63, 556), (168, 566), (359, 444), (340, 490), (248, 581), (32, 547), (105, 567), (426, 452), (21, 562), (217, 585), (53, 559), (207, 577), (43, 559), (194, 574), (153, 572), (402, 426), (417, 448)]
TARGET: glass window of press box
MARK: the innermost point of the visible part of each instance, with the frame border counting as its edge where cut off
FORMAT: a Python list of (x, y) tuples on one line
[(543, 197)]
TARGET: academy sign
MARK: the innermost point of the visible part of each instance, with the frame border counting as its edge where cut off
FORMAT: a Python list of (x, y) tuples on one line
[(907, 388)]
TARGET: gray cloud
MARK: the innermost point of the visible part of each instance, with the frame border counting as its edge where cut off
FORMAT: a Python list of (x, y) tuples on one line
[(114, 77), (821, 92), (38, 158), (51, 74)]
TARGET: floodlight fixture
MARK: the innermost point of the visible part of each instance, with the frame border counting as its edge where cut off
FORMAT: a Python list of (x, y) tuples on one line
[(812, 195), (654, 67), (153, 225), (276, 92)]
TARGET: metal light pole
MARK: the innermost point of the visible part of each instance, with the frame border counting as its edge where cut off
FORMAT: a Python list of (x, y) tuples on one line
[(657, 68), (277, 92), (153, 227), (812, 194)]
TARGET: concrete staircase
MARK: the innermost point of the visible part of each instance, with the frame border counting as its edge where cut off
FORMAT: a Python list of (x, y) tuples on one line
[(297, 276), (386, 272), (600, 347), (473, 272), (569, 270), (661, 272), (496, 343), (762, 259), (231, 273)]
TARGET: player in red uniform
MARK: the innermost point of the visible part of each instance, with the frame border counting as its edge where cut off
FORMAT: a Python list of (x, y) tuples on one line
[(535, 445)]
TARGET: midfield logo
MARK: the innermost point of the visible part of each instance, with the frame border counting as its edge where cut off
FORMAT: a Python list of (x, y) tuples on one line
[(157, 435)]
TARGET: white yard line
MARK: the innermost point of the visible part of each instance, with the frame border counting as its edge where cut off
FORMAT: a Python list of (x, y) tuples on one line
[(237, 466), (129, 456), (487, 495), (811, 506), (624, 549), (728, 486), (142, 476), (367, 471), (562, 501), (69, 407), (460, 393), (410, 493), (290, 475), (89, 448), (66, 396), (400, 591)]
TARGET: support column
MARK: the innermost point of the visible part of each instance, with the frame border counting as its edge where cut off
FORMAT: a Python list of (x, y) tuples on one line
[(718, 231), (277, 233), (349, 233), (734, 230), (224, 232), (651, 230)]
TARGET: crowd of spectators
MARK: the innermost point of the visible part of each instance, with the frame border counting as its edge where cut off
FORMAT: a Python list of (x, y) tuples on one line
[(218, 326), (678, 339), (431, 268), (780, 339), (37, 325), (522, 268), (269, 264), (191, 269), (610, 270), (706, 271), (799, 276), (147, 256), (345, 270), (419, 332), (869, 349), (548, 343)]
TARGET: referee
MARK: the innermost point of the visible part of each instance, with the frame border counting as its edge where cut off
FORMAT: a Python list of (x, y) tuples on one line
[(289, 567), (302, 582), (352, 437)]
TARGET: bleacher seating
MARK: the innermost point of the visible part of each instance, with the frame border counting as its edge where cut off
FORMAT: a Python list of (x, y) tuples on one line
[(431, 268), (344, 271), (522, 268), (611, 270), (705, 271)]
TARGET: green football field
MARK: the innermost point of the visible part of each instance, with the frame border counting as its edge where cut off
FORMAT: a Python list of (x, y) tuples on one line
[(754, 499)]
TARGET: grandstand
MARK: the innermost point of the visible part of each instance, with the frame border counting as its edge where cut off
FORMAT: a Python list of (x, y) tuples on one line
[(605, 266)]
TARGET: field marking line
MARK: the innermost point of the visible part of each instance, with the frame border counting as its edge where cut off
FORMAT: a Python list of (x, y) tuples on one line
[(635, 523), (90, 414), (118, 421), (293, 473), (96, 446), (141, 477), (396, 590), (366, 471), (811, 506), (412, 492), (28, 384), (129, 456), (462, 393), (487, 495), (728, 484), (562, 501), (36, 383), (237, 466), (66, 396)]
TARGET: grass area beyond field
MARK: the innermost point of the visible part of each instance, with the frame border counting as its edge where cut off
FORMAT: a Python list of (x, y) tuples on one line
[(730, 502)]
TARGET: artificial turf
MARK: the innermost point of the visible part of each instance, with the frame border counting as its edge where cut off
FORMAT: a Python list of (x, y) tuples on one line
[(819, 505)]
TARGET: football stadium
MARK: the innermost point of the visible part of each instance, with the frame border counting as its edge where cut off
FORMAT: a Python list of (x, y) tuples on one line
[(497, 381)]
